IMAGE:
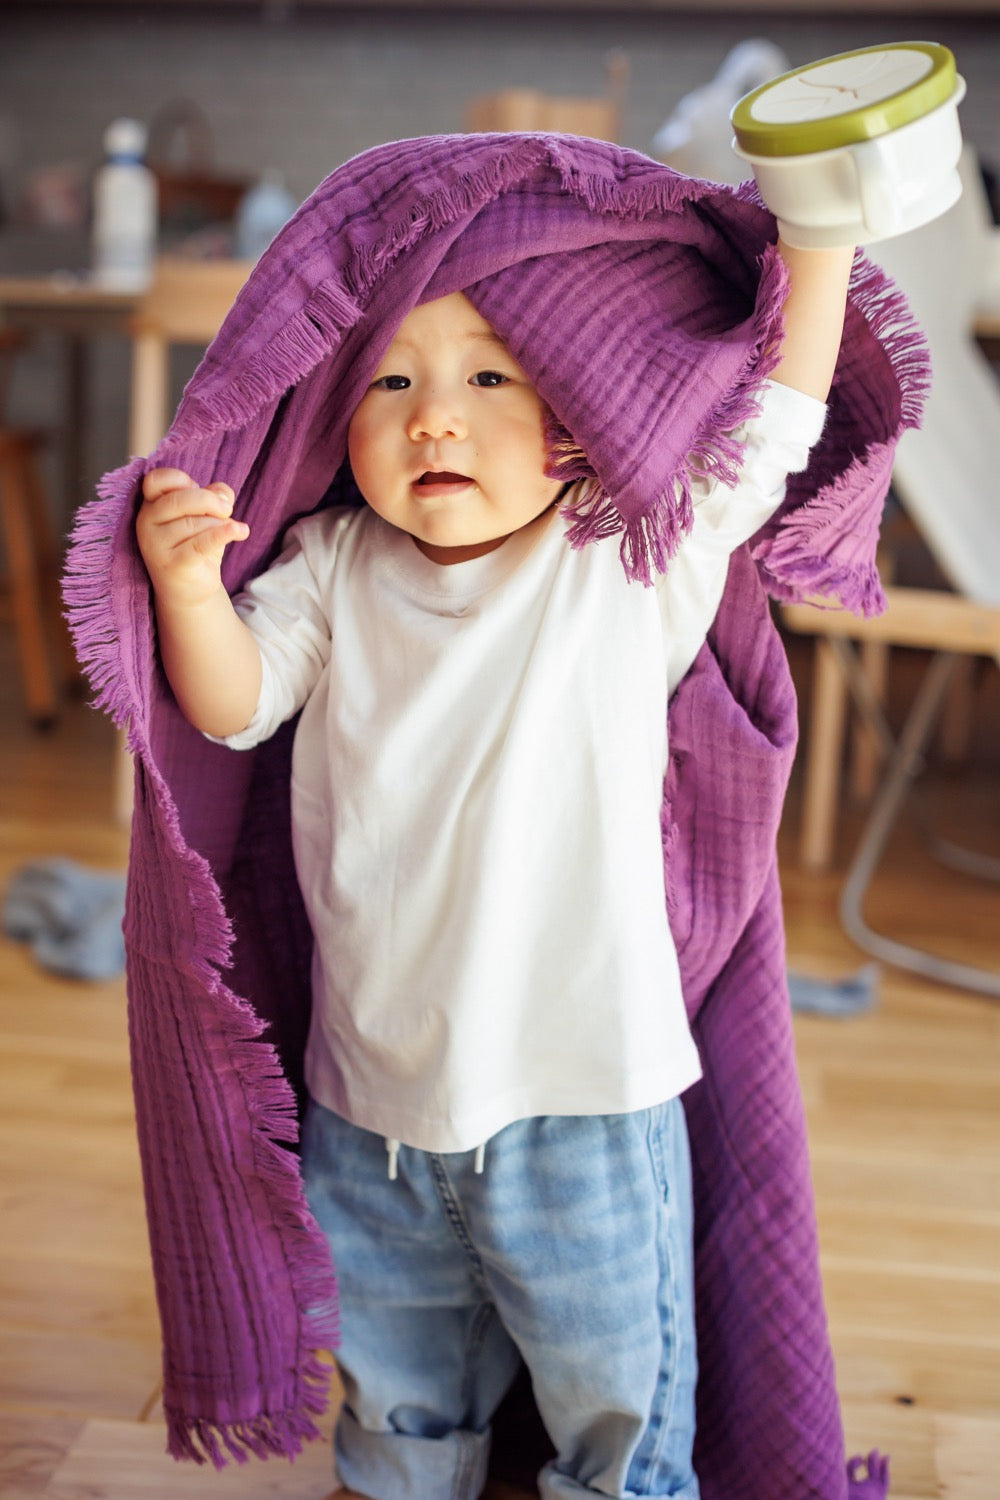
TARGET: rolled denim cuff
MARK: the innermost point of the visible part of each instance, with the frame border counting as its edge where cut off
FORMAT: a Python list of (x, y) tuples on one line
[(386, 1465)]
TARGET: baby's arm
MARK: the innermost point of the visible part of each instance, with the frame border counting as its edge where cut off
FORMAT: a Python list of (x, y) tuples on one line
[(210, 657), (814, 317)]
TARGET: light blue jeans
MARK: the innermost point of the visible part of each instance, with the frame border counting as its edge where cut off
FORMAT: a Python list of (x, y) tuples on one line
[(571, 1250)]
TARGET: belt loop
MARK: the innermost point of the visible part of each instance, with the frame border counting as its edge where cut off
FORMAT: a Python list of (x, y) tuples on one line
[(480, 1159), (392, 1146)]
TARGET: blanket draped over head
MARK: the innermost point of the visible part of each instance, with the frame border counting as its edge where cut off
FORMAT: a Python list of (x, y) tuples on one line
[(645, 306)]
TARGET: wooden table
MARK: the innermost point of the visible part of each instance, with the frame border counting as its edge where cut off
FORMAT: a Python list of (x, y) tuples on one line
[(987, 330), (77, 309)]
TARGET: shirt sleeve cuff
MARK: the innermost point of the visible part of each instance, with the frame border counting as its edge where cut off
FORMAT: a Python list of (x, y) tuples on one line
[(791, 415), (262, 724)]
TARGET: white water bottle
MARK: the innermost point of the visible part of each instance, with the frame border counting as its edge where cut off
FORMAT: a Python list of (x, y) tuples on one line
[(264, 210), (125, 210)]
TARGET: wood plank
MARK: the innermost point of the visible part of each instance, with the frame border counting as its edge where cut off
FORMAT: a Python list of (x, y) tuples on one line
[(75, 1372), (917, 1306), (906, 1434), (927, 618), (114, 1299), (893, 1369), (967, 1451), (906, 1236), (128, 1461), (31, 1448)]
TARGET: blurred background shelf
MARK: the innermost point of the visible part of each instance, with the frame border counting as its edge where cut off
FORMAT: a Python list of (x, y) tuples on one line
[(657, 7)]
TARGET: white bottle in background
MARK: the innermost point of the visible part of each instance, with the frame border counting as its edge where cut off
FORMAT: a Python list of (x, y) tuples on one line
[(264, 210), (125, 210)]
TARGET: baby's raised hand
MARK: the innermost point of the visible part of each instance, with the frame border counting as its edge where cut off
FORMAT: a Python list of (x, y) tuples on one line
[(183, 531)]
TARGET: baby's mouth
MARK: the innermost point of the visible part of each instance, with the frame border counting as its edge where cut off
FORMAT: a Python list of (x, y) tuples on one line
[(433, 477)]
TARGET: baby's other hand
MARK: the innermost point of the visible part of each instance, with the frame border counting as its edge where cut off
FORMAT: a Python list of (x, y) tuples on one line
[(183, 531)]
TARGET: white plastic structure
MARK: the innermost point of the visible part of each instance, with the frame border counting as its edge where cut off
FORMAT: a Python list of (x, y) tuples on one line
[(697, 137)]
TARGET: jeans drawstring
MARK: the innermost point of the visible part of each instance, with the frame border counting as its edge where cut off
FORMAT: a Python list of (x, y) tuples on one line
[(392, 1148)]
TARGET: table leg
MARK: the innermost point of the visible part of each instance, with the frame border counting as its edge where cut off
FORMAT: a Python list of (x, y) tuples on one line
[(823, 759), (75, 452)]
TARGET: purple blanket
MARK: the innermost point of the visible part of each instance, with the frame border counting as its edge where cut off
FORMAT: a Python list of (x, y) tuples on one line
[(646, 308)]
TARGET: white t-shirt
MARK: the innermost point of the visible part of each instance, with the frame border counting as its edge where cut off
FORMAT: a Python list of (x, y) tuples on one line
[(476, 789)]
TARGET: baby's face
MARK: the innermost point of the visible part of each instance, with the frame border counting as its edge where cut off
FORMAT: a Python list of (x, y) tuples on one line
[(448, 440)]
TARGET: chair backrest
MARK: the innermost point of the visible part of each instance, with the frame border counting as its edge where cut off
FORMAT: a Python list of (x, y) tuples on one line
[(185, 305), (947, 474), (529, 109)]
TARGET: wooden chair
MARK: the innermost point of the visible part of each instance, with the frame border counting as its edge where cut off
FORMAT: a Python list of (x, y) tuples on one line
[(184, 306), (946, 479), (528, 109), (32, 555)]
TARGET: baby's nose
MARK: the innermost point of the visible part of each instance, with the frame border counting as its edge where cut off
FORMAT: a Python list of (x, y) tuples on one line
[(436, 415)]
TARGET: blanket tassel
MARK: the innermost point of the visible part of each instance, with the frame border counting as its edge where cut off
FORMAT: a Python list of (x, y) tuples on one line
[(868, 1478), (218, 1443)]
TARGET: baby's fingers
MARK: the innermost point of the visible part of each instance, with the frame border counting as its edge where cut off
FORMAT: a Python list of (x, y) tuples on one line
[(190, 536), (224, 491), (209, 536), (169, 544), (167, 505), (161, 481)]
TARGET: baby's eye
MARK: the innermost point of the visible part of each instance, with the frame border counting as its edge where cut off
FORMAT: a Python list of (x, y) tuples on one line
[(489, 378), (391, 383)]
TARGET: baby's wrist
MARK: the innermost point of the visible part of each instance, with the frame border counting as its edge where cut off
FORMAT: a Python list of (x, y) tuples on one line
[(791, 238), (828, 256), (182, 603)]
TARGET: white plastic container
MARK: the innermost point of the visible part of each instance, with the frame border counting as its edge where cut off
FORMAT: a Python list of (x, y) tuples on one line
[(856, 148), (125, 218), (264, 210)]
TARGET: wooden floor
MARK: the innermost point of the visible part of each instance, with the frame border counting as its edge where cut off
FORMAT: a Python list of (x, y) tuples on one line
[(904, 1114)]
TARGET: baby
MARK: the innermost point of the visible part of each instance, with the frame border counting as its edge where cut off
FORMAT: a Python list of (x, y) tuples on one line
[(495, 1144)]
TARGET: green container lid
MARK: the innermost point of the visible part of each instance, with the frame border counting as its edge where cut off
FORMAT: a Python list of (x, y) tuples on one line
[(845, 99)]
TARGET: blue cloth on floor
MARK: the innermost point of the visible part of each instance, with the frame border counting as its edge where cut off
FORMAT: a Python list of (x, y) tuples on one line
[(835, 997), (71, 917)]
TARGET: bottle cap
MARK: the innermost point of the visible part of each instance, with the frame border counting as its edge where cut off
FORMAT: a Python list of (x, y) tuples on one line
[(126, 138)]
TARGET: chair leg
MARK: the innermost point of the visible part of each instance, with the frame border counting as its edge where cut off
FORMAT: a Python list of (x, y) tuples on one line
[(49, 556), (956, 723), (866, 752), (904, 765), (22, 564), (122, 782), (824, 752)]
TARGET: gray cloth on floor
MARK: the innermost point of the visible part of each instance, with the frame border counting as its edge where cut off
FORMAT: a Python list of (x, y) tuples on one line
[(71, 916), (835, 997)]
